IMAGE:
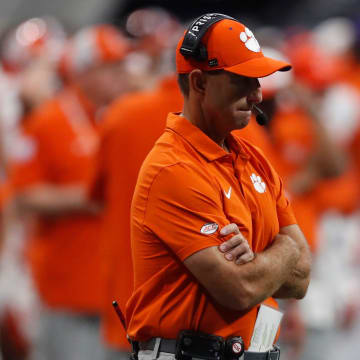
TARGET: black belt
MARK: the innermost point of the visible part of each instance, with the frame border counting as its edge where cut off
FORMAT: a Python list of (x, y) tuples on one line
[(166, 345), (169, 346)]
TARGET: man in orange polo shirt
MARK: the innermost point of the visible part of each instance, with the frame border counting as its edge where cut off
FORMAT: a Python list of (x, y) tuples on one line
[(198, 186), (50, 177)]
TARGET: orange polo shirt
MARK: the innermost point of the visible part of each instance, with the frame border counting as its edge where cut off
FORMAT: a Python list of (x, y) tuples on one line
[(57, 147), (134, 122), (186, 182)]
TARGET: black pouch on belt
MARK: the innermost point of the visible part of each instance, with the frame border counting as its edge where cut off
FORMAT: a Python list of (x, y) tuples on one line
[(191, 344)]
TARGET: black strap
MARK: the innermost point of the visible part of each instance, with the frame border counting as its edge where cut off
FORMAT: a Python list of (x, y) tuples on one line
[(169, 346), (197, 30)]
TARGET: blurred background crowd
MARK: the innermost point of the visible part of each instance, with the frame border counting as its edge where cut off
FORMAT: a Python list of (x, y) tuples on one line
[(85, 87)]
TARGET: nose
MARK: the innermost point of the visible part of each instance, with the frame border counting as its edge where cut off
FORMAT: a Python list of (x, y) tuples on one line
[(255, 96)]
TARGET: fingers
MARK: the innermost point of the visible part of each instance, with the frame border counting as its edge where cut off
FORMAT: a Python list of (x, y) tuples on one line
[(233, 242), (229, 229), (236, 248), (245, 257)]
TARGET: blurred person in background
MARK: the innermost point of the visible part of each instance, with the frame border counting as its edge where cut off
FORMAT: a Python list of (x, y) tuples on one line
[(129, 129), (154, 31), (49, 182), (340, 222), (313, 121), (29, 54)]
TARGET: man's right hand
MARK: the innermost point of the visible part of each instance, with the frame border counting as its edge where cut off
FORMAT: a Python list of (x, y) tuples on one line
[(237, 248)]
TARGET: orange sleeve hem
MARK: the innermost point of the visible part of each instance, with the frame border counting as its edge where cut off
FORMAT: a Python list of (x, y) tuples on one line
[(286, 219), (184, 253)]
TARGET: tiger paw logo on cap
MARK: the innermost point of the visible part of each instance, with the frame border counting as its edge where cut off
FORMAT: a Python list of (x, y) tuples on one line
[(248, 38)]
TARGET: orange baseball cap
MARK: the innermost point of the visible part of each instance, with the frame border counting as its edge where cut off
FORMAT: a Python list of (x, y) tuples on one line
[(230, 46), (91, 46)]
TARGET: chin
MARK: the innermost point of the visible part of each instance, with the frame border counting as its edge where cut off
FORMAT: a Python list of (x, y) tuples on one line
[(241, 123)]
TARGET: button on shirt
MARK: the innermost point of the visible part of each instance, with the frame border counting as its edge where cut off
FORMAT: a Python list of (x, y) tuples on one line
[(188, 189)]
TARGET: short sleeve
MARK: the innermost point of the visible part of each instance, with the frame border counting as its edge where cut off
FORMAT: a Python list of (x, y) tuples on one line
[(184, 210)]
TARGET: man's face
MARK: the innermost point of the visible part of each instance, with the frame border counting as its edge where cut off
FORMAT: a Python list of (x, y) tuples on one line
[(228, 100), (38, 82), (105, 82)]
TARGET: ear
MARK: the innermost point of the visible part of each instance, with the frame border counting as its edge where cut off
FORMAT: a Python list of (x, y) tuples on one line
[(197, 82)]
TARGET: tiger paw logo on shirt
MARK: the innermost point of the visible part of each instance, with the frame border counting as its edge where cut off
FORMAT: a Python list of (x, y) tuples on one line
[(259, 185)]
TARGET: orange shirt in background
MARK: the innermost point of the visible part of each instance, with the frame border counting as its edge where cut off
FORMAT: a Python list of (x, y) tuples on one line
[(129, 130), (294, 139), (292, 134), (341, 193), (188, 189), (58, 147)]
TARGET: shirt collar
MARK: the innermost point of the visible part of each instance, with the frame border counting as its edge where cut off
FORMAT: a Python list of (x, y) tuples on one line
[(200, 141)]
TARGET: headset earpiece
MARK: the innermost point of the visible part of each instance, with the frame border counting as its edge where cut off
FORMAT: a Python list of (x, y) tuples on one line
[(202, 53)]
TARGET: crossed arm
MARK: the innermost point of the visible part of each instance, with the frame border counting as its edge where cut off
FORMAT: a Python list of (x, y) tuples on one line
[(244, 280), (282, 270)]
